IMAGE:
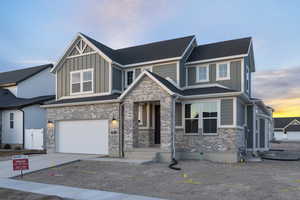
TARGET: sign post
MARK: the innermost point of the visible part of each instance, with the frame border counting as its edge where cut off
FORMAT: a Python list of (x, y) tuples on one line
[(20, 163)]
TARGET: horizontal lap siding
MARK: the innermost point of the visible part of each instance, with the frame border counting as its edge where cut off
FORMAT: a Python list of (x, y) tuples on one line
[(233, 83), (227, 112), (94, 61)]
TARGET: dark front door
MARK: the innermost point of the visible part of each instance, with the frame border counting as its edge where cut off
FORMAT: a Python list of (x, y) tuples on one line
[(157, 125)]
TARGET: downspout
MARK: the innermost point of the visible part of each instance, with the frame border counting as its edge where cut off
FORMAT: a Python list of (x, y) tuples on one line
[(173, 123), (121, 130)]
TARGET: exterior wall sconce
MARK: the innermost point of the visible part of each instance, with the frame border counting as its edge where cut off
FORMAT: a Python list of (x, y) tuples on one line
[(114, 123), (50, 124)]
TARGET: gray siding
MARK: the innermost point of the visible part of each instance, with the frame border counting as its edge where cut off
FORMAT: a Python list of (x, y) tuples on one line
[(182, 67), (178, 114), (35, 117), (166, 70), (94, 61), (247, 62), (240, 113), (227, 112), (137, 72), (250, 126), (116, 79), (235, 76)]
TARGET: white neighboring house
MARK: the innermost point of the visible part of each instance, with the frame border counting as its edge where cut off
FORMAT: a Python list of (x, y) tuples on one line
[(287, 129), (21, 94)]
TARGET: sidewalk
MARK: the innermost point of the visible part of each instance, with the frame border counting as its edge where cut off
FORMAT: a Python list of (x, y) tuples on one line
[(67, 192), (41, 162)]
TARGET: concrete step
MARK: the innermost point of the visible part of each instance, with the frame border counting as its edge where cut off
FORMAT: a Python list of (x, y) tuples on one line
[(142, 155)]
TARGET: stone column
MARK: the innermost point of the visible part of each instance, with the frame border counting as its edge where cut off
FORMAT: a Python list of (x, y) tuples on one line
[(130, 125), (166, 118)]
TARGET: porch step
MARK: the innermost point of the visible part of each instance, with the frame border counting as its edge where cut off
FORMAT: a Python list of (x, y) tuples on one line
[(142, 155)]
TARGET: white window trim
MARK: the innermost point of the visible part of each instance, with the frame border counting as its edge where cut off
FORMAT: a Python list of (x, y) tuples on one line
[(197, 73), (200, 118), (140, 116), (133, 77), (218, 78), (81, 81), (247, 79)]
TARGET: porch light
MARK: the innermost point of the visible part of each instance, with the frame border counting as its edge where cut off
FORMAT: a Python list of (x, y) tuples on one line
[(50, 124), (114, 123)]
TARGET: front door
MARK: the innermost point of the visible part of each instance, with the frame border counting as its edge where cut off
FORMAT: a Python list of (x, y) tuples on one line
[(157, 125)]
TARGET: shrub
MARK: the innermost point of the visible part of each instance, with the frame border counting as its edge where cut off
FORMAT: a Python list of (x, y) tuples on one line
[(7, 146)]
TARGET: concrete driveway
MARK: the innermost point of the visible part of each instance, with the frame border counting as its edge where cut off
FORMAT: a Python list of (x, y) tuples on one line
[(41, 162)]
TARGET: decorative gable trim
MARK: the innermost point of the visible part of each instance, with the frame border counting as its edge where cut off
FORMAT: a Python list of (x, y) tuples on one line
[(145, 73), (79, 35), (294, 122)]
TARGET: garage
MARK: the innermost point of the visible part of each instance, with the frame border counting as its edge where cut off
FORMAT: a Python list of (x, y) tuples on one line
[(82, 136)]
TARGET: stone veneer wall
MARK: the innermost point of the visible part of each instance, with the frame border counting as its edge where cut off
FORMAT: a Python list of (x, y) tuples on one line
[(145, 137), (147, 90), (86, 112), (227, 140)]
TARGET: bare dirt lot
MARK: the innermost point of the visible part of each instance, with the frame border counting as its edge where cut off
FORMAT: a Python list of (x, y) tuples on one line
[(198, 179), (6, 194), (285, 145)]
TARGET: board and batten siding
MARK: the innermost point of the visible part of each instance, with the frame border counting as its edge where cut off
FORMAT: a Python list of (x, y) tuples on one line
[(91, 61), (166, 70), (235, 75), (240, 117), (182, 68), (226, 112)]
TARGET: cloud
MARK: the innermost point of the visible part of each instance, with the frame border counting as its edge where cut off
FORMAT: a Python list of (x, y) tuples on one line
[(121, 23), (280, 89)]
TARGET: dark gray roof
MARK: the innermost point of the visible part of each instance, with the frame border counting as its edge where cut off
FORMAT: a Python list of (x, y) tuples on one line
[(193, 91), (147, 52), (9, 101), (85, 99), (16, 76), (220, 49), (284, 121)]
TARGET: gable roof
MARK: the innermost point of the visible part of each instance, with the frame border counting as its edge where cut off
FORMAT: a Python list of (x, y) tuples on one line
[(10, 101), (14, 77), (286, 122), (147, 52), (220, 49)]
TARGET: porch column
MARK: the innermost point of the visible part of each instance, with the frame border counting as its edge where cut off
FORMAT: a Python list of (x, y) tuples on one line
[(167, 117), (130, 125)]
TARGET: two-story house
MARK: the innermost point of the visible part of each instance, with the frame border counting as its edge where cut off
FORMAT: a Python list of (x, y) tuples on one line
[(21, 94), (172, 98)]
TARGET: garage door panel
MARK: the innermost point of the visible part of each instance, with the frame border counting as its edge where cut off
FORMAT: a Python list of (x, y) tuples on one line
[(83, 136)]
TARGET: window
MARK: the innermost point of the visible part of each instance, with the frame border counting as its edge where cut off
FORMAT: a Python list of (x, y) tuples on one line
[(129, 77), (223, 71), (191, 118), (201, 115), (11, 120), (202, 74), (210, 118), (140, 116), (82, 81)]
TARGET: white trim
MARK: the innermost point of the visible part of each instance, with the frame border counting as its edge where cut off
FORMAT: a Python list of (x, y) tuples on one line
[(83, 54), (242, 75), (197, 73), (140, 114), (85, 95), (56, 89), (216, 59), (81, 81), (178, 73), (190, 44), (152, 62), (205, 85), (110, 78), (291, 123), (137, 80), (228, 94), (218, 78), (79, 103)]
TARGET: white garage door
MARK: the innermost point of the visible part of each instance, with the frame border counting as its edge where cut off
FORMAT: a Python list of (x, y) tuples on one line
[(83, 136)]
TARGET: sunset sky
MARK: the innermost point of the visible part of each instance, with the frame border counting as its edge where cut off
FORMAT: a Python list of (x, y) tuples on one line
[(37, 32)]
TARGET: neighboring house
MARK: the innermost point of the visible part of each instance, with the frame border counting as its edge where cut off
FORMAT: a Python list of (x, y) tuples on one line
[(141, 99), (21, 94), (287, 128)]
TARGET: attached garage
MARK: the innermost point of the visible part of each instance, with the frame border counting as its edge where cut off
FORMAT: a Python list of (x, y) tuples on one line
[(82, 136)]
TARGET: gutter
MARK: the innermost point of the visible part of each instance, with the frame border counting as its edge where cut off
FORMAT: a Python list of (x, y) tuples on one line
[(79, 103), (210, 95), (23, 128)]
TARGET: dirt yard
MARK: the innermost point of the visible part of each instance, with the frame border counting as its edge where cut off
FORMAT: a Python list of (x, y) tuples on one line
[(6, 194), (288, 146), (268, 180)]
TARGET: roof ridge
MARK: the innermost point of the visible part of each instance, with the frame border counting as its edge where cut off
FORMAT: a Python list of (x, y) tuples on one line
[(25, 68), (225, 41), (155, 42)]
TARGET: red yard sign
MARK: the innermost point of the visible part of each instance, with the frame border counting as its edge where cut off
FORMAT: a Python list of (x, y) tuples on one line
[(20, 164)]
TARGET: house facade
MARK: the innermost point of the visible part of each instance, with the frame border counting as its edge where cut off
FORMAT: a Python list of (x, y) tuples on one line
[(287, 129), (21, 94), (173, 97)]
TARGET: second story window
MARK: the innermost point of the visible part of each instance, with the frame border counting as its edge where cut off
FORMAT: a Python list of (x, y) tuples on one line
[(223, 71), (202, 73), (82, 81), (129, 77)]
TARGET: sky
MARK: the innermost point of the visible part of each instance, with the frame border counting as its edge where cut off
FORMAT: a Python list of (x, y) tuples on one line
[(38, 32)]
